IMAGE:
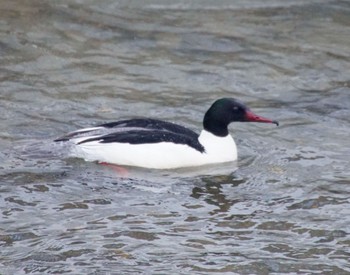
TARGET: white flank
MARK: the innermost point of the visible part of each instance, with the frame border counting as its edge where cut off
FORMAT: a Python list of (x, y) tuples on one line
[(164, 155)]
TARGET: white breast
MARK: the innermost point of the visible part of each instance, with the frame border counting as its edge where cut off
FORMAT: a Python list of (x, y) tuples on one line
[(218, 149), (164, 155)]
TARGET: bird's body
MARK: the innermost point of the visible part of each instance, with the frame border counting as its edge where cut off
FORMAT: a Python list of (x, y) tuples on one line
[(157, 144)]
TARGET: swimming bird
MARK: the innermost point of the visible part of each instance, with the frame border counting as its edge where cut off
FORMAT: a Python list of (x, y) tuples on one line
[(157, 144)]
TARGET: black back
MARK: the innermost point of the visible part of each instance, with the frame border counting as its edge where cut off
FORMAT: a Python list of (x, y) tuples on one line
[(138, 131), (151, 124), (148, 136)]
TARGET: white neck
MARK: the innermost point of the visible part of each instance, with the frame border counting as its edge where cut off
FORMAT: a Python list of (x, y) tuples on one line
[(219, 149)]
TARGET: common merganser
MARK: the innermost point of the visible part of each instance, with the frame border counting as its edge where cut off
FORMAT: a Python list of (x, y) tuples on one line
[(157, 144)]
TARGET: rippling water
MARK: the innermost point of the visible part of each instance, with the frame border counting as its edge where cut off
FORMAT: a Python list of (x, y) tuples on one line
[(283, 209)]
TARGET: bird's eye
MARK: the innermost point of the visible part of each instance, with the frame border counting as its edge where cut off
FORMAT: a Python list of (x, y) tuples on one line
[(235, 108)]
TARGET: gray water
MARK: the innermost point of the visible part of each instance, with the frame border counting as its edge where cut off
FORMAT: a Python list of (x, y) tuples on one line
[(283, 208)]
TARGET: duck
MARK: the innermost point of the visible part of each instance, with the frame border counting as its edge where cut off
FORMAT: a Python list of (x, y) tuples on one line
[(156, 144)]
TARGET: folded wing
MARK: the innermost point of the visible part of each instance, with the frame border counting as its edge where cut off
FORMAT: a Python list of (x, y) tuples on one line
[(136, 131)]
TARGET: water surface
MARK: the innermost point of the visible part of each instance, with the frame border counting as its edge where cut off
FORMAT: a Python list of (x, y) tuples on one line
[(283, 208)]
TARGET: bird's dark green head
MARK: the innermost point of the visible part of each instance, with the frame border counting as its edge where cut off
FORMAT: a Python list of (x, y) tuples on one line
[(226, 110)]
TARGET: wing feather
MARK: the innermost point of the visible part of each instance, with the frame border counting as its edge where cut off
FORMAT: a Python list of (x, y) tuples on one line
[(147, 136)]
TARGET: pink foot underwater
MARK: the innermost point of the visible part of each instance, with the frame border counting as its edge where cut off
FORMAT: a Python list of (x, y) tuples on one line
[(121, 171)]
